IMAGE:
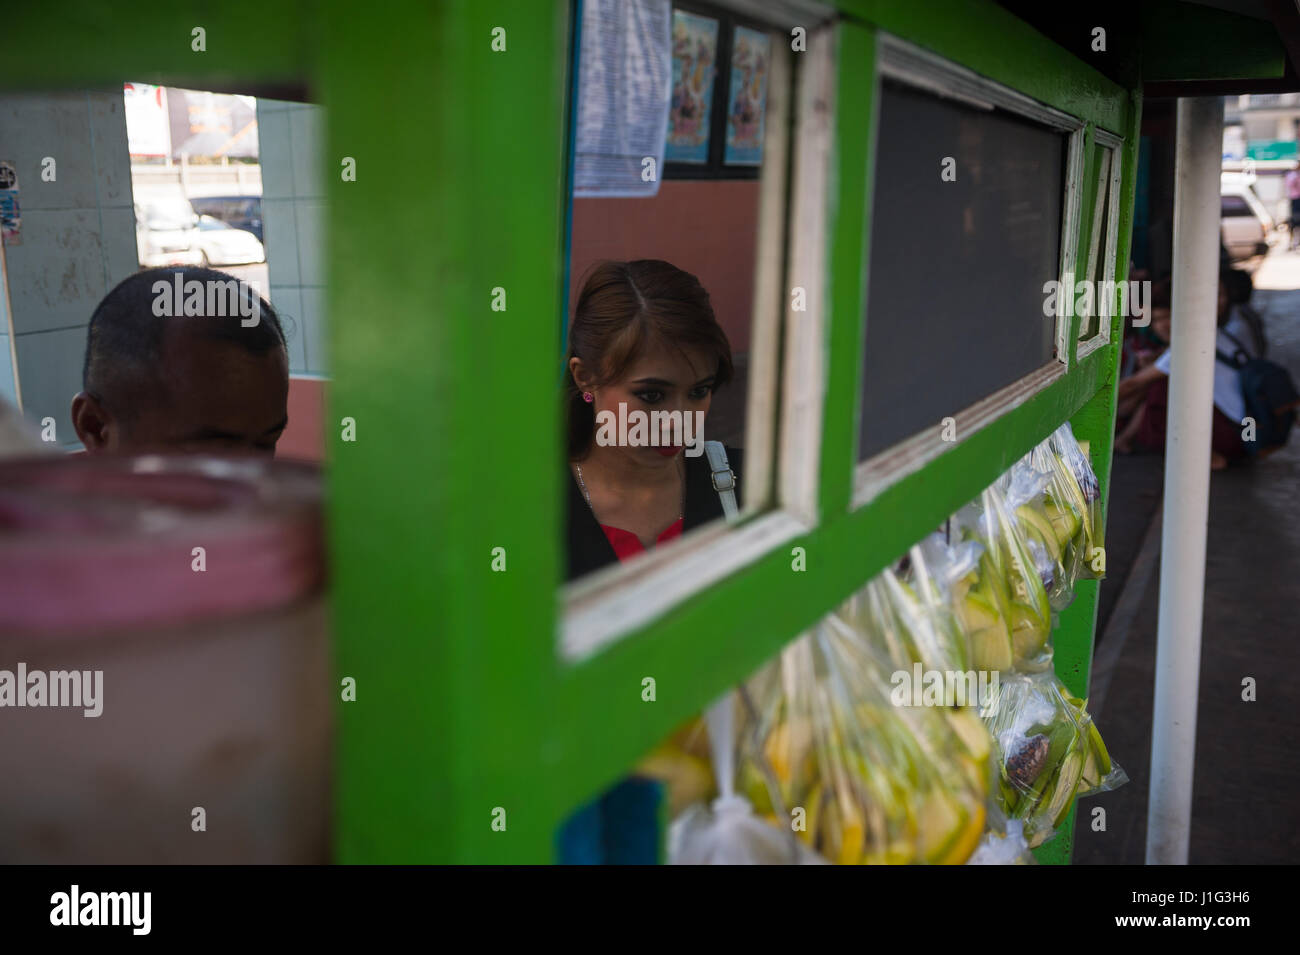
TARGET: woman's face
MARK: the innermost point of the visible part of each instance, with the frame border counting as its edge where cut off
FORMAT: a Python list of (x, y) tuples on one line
[(660, 379)]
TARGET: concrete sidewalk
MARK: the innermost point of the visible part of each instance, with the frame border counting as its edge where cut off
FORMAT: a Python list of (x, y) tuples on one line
[(1246, 803)]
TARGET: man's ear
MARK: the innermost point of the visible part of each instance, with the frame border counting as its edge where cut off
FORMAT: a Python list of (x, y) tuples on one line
[(92, 423)]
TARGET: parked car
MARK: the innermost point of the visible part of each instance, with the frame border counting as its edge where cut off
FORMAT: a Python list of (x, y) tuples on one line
[(219, 244), (1245, 223), (240, 212), (166, 232)]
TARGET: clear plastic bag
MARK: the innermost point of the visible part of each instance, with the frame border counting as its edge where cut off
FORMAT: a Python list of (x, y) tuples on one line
[(1046, 744), (682, 763), (1004, 848), (1100, 772), (909, 621), (935, 569), (727, 832), (948, 562), (1034, 481), (864, 780), (1078, 491), (1003, 607)]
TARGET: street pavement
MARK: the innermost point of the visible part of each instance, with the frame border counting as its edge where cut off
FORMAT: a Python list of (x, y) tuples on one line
[(1246, 803)]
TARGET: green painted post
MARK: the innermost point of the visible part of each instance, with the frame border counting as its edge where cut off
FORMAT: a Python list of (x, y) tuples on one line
[(1095, 423), (443, 301), (856, 103)]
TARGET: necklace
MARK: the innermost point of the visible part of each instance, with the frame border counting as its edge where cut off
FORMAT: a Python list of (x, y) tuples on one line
[(587, 497)]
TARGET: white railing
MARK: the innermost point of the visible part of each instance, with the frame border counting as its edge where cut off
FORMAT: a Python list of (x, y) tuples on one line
[(240, 179)]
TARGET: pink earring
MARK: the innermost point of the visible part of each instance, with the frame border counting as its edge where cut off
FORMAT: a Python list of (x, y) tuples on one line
[(588, 397)]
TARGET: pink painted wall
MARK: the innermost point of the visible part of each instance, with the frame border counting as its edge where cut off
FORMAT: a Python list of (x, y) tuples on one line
[(706, 227), (304, 438)]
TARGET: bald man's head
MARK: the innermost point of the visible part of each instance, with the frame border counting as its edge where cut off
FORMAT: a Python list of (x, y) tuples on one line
[(183, 359)]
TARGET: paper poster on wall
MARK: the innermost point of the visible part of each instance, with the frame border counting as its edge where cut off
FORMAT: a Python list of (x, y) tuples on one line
[(747, 99), (624, 88), (695, 57), (148, 126), (11, 220)]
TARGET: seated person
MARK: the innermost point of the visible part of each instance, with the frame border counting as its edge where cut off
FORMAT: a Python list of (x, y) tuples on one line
[(1142, 346), (1248, 324), (1147, 391), (156, 380)]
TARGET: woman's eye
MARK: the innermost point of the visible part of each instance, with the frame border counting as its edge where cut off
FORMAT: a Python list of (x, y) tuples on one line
[(651, 397), (700, 393)]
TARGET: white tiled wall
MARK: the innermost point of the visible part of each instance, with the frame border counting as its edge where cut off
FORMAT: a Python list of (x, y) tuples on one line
[(290, 140), (77, 239), (8, 387), (7, 390)]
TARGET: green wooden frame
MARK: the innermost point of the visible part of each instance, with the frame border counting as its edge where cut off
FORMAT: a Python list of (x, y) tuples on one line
[(463, 703)]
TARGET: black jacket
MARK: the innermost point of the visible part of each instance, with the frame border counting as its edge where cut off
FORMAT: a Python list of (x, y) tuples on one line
[(589, 548)]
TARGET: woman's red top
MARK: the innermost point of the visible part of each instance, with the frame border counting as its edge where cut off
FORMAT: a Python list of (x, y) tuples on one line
[(627, 545)]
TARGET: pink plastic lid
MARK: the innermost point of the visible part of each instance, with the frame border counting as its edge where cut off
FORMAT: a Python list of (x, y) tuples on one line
[(90, 544)]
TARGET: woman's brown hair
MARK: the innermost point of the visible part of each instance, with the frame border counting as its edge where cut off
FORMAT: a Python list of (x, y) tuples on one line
[(623, 308)]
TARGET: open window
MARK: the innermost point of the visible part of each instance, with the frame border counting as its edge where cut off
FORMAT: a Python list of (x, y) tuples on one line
[(748, 241), (973, 220), (135, 176), (1100, 306)]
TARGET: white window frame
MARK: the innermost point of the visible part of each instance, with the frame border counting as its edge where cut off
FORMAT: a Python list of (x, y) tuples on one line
[(918, 68), (1113, 145), (607, 605)]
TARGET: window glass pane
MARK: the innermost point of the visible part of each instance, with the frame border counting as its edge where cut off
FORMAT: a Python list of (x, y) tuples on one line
[(149, 186), (1090, 323), (958, 262), (676, 296)]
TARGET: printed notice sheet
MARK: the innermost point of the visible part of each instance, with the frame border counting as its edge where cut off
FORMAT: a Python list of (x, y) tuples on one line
[(624, 88)]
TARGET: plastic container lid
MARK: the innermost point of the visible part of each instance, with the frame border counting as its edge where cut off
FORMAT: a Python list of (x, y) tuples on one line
[(97, 543)]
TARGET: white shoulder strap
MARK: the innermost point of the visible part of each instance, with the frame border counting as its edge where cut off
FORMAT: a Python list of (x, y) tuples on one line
[(724, 479)]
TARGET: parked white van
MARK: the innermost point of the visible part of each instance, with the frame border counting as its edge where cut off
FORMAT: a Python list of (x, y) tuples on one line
[(1246, 226)]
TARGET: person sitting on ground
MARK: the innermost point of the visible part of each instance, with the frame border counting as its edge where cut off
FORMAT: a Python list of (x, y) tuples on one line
[(182, 383), (1147, 391), (1144, 345), (1247, 323)]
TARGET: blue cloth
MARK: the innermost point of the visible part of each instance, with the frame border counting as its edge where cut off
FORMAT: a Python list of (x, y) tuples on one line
[(622, 827)]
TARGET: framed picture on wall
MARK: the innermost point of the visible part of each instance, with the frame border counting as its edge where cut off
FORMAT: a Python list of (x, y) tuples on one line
[(690, 117), (719, 76), (747, 99)]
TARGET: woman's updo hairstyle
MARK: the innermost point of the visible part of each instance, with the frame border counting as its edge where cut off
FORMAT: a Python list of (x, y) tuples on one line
[(625, 307)]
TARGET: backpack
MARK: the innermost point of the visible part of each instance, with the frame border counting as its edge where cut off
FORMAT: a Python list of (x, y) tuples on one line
[(1270, 396)]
